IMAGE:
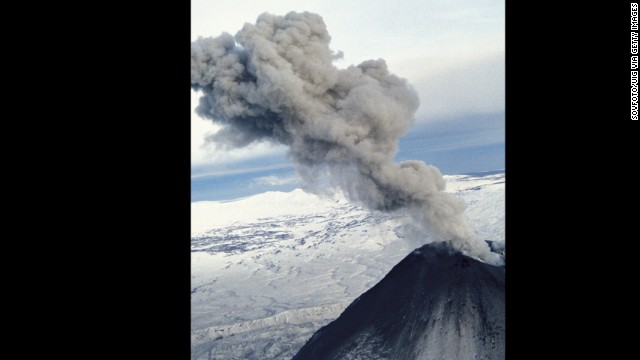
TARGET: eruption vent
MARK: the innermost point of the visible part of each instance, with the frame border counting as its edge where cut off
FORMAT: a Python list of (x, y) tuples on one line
[(275, 81)]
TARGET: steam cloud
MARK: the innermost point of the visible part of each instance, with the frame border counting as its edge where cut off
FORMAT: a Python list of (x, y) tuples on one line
[(278, 83)]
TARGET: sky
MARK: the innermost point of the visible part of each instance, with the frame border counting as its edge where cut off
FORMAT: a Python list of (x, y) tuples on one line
[(451, 51)]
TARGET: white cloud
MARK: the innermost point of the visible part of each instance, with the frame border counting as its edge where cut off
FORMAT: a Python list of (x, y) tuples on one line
[(272, 180), (467, 88), (207, 171), (481, 138)]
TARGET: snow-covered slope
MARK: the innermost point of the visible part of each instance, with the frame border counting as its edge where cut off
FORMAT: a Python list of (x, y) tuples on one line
[(271, 269)]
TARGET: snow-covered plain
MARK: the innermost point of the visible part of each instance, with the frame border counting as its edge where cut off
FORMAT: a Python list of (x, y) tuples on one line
[(269, 270)]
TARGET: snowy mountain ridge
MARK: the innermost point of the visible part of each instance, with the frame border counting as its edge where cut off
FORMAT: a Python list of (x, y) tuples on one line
[(292, 317)]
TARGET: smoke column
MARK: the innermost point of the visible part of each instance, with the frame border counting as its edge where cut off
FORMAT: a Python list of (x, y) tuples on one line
[(275, 81)]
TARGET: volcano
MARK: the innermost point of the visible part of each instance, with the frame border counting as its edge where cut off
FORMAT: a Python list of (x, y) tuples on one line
[(434, 304)]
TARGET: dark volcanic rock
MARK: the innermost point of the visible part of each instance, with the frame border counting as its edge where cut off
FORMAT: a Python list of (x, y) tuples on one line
[(434, 304)]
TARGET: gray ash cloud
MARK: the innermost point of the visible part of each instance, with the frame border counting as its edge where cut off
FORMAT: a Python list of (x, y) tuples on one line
[(275, 81)]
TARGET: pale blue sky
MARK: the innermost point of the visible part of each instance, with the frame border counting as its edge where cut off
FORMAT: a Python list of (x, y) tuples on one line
[(451, 51)]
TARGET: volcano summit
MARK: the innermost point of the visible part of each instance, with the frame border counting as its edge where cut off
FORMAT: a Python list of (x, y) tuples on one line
[(435, 304)]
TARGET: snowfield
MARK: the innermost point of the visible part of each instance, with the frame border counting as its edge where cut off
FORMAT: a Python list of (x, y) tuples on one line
[(271, 269)]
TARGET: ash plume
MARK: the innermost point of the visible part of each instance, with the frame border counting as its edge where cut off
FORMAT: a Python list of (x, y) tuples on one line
[(275, 81)]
